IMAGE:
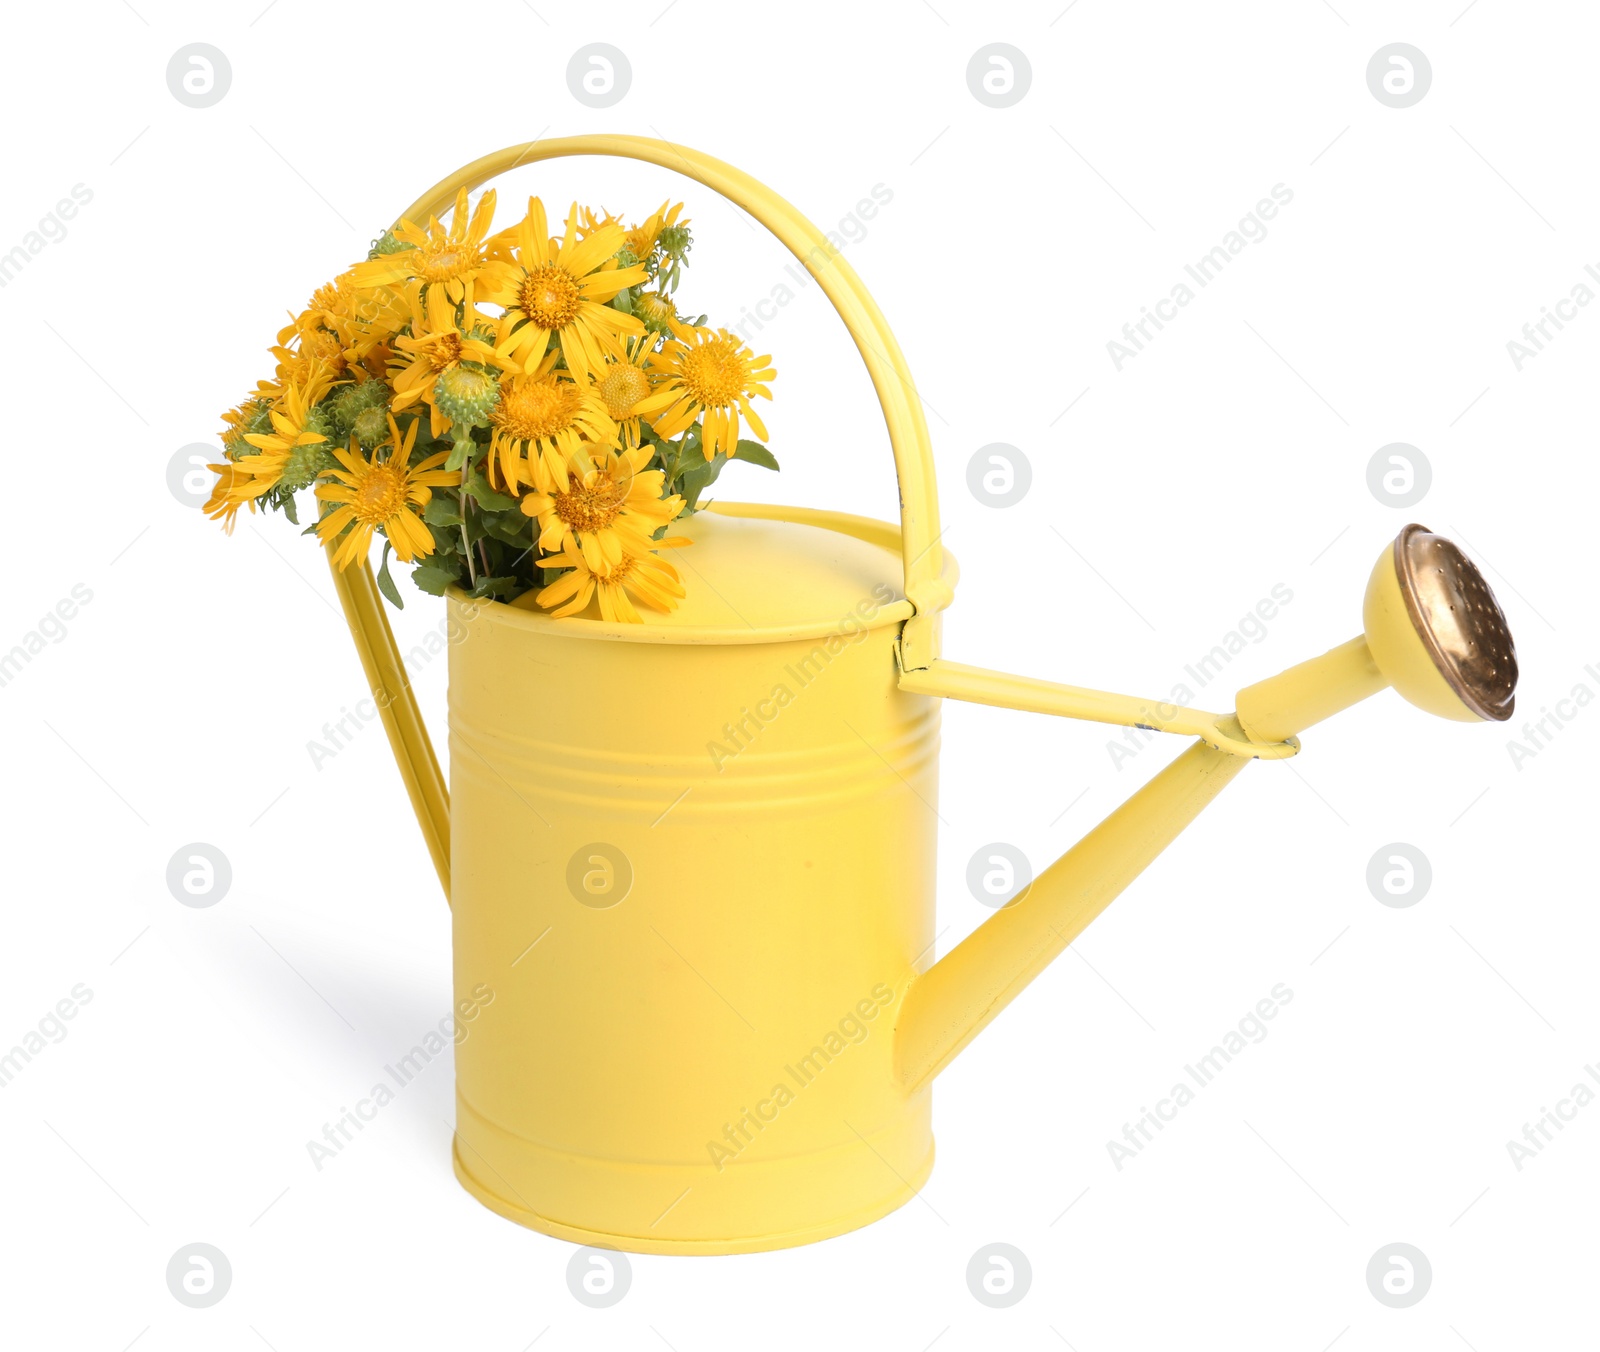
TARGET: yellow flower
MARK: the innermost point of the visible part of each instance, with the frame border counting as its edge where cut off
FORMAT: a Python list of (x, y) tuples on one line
[(453, 260), (548, 419), (306, 344), (370, 494), (248, 415), (308, 341), (628, 394), (438, 344), (648, 578), (224, 503), (608, 512), (712, 373), (258, 474), (363, 320), (558, 290), (641, 240), (590, 220)]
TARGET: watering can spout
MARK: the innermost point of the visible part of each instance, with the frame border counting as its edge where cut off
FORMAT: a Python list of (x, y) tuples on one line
[(955, 1000), (1432, 630)]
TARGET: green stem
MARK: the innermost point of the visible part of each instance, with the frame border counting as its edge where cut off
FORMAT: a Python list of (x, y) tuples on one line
[(677, 460), (466, 544)]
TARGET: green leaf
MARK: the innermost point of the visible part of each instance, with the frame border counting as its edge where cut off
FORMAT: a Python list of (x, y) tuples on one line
[(289, 509), (508, 529), (495, 586), (434, 576), (485, 496), (446, 539), (459, 451), (684, 453), (442, 510), (698, 477), (385, 582), (756, 454)]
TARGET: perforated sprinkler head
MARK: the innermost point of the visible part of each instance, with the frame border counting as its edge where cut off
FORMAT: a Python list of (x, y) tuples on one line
[(1436, 631)]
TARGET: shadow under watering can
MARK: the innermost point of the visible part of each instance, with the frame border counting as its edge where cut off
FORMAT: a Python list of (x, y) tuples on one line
[(715, 1026)]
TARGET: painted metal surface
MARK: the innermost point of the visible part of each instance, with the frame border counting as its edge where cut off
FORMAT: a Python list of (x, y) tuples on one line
[(693, 860), (721, 855)]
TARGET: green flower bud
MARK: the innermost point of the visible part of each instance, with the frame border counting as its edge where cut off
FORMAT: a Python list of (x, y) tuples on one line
[(466, 393), (370, 427), (259, 421), (674, 241), (386, 243), (657, 312), (625, 257), (351, 401), (320, 421), (305, 463)]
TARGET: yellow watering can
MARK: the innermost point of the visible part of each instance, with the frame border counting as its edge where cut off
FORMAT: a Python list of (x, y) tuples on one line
[(691, 861)]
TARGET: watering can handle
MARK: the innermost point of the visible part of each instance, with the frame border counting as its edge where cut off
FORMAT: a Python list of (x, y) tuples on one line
[(897, 394)]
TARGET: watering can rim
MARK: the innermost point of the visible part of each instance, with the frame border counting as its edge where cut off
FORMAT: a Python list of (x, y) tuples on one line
[(883, 534)]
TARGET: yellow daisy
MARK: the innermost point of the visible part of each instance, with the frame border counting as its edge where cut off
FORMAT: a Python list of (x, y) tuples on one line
[(647, 578), (546, 420), (453, 259), (608, 512), (627, 392), (712, 373), (307, 344), (224, 503), (558, 289), (260, 473), (641, 239), (363, 320), (435, 345), (249, 415), (370, 494)]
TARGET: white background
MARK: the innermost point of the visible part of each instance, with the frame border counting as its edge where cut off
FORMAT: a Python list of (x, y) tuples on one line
[(1227, 457)]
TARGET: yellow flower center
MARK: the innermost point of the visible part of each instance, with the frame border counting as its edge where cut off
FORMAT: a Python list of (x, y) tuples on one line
[(537, 408), (445, 350), (624, 386), (327, 298), (441, 261), (620, 569), (716, 371), (324, 346), (550, 296), (466, 383), (382, 494), (591, 507)]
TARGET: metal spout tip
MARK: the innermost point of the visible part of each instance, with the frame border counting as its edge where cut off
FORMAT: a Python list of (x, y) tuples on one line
[(1456, 616)]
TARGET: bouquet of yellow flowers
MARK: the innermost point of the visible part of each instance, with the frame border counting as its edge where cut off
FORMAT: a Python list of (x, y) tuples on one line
[(513, 413)]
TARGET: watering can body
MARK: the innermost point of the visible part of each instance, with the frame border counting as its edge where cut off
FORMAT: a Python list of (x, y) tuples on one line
[(691, 861), (694, 863)]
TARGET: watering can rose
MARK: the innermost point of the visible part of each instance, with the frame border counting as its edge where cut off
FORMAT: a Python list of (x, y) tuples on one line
[(514, 413)]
